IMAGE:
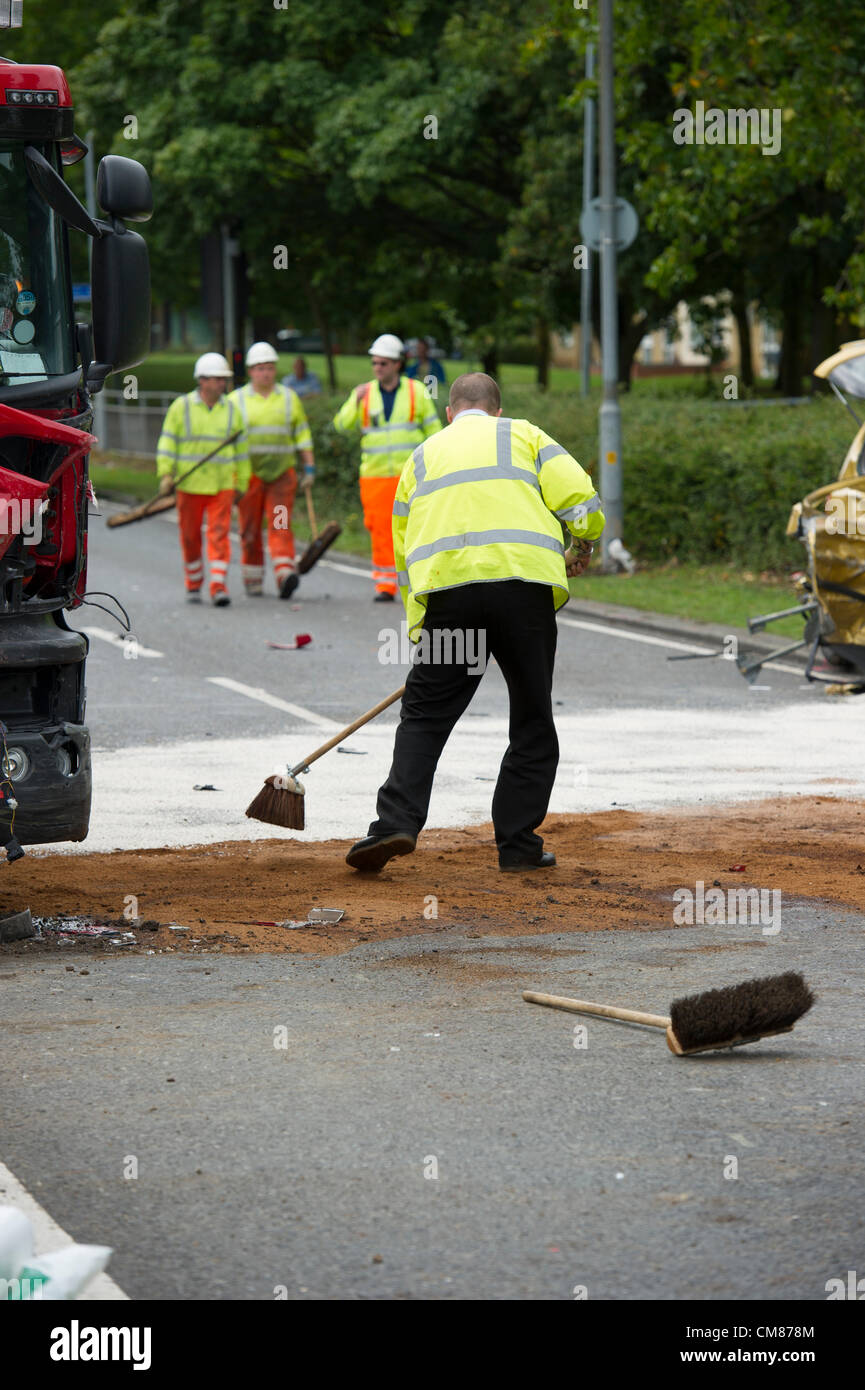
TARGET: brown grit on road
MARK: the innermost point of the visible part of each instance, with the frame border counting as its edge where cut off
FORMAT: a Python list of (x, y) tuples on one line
[(616, 870)]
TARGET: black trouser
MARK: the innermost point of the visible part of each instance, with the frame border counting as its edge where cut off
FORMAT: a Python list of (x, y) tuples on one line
[(518, 624)]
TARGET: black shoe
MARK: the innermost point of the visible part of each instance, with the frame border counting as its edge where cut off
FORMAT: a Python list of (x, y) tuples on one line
[(384, 596), (288, 586), (516, 866), (372, 854), (193, 595), (221, 598)]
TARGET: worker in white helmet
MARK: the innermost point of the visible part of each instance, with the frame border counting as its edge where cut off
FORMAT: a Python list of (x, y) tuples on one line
[(276, 433), (194, 425), (394, 415)]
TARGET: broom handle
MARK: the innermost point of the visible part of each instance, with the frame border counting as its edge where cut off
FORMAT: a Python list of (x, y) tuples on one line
[(311, 510), (344, 733), (580, 1006), (207, 457)]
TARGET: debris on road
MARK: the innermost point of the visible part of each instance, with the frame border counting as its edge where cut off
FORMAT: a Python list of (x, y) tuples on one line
[(74, 926), (617, 870), (55, 1277), (17, 926), (303, 639)]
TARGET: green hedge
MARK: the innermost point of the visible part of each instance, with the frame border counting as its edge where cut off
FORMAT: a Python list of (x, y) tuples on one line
[(705, 480)]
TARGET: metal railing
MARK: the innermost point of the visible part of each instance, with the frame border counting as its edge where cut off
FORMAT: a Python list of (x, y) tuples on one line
[(133, 426)]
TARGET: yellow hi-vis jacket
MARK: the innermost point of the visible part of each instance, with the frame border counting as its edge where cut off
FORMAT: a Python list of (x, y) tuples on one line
[(190, 430), (386, 444), (276, 428), (485, 500)]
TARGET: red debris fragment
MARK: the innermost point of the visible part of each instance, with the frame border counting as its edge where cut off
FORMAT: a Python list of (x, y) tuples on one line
[(301, 640)]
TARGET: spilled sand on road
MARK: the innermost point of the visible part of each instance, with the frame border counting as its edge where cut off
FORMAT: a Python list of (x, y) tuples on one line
[(616, 870)]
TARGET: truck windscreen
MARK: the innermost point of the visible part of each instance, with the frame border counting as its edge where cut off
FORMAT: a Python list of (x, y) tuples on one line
[(36, 331)]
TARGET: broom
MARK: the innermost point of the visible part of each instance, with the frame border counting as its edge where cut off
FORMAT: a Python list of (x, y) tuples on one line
[(164, 501), (728, 1017), (280, 801), (319, 543)]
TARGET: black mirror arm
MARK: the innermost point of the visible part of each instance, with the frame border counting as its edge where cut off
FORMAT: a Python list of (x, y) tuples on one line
[(58, 195)]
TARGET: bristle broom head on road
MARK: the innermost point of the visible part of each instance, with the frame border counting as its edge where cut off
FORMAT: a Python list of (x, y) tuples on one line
[(737, 1014), (280, 802)]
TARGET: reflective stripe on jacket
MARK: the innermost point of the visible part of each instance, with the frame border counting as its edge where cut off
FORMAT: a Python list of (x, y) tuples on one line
[(276, 429), (486, 500), (386, 444), (190, 430)]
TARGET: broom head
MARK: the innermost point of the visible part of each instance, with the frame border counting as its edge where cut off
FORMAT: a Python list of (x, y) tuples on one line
[(737, 1014), (151, 508), (318, 546), (280, 802)]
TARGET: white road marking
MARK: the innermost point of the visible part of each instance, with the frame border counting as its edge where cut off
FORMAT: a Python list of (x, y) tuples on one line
[(636, 636), (666, 642), (130, 642), (346, 569), (619, 632), (47, 1235), (254, 692)]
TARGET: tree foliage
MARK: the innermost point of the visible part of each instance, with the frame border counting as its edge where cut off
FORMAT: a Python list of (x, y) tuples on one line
[(422, 164)]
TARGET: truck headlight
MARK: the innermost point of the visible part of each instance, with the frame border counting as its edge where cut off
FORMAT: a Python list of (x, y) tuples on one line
[(15, 764)]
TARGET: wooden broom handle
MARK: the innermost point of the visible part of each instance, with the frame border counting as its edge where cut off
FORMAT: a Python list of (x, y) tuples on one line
[(344, 733), (139, 513), (312, 523), (580, 1006)]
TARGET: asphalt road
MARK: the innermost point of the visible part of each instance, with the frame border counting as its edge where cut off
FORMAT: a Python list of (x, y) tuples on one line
[(423, 1133), (157, 700)]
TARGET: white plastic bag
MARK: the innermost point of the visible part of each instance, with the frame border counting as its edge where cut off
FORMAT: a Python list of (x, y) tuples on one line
[(54, 1277)]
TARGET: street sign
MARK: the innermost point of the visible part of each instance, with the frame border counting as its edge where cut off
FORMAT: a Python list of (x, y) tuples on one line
[(80, 294), (627, 224)]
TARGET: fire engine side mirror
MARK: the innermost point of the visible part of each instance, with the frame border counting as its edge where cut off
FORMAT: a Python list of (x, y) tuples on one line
[(120, 293), (123, 188)]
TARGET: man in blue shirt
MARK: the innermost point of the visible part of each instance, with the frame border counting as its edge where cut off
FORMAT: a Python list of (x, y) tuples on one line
[(302, 382), (426, 367)]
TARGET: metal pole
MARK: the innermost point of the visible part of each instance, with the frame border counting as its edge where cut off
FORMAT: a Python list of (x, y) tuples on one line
[(100, 417), (229, 307), (610, 424), (588, 194)]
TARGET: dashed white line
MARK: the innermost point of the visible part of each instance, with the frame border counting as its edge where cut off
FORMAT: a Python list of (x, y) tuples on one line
[(255, 692), (667, 642), (130, 643), (346, 569), (636, 636)]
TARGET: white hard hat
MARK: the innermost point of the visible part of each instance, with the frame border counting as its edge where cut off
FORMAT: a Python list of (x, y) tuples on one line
[(387, 345), (211, 364), (261, 352)]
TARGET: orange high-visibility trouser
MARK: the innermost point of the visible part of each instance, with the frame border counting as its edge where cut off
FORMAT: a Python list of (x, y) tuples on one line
[(192, 508), (275, 501), (376, 495)]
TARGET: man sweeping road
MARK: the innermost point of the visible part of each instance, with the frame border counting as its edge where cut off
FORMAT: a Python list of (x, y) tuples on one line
[(477, 527)]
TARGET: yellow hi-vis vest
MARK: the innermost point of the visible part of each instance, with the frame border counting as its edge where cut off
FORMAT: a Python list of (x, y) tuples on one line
[(190, 430), (386, 444), (485, 500), (276, 428)]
